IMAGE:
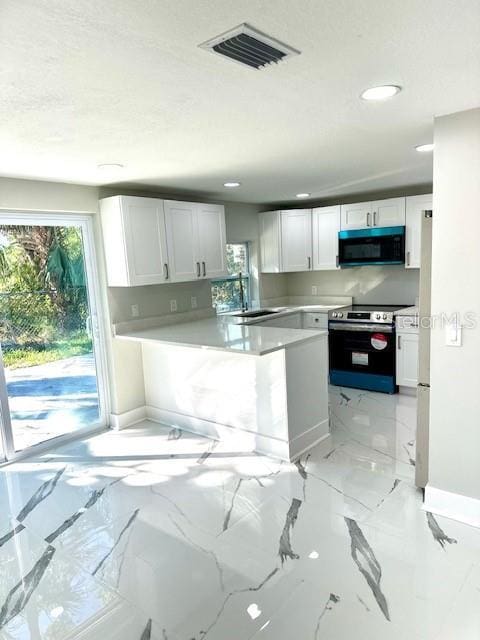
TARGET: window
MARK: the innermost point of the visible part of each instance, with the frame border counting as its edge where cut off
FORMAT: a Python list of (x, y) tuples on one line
[(226, 292)]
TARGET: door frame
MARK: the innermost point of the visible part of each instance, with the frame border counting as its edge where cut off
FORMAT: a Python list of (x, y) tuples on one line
[(95, 302)]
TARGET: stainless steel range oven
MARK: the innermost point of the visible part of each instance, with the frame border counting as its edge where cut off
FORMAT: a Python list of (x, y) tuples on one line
[(362, 347)]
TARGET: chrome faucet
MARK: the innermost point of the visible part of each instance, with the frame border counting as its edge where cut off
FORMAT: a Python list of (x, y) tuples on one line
[(243, 303)]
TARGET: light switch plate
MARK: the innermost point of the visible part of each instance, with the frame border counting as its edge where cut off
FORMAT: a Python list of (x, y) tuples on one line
[(193, 300), (173, 305), (135, 310), (314, 290), (453, 334)]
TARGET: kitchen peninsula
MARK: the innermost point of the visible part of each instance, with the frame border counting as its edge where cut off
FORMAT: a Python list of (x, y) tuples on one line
[(259, 388)]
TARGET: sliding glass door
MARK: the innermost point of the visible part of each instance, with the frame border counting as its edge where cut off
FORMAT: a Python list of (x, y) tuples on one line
[(52, 373)]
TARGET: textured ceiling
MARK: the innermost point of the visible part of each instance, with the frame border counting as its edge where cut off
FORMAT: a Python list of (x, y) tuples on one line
[(122, 81)]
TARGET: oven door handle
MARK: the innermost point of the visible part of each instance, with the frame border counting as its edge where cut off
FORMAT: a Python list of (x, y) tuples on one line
[(368, 328)]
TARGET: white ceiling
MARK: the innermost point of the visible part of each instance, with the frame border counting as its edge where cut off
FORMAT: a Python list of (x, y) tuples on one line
[(124, 81)]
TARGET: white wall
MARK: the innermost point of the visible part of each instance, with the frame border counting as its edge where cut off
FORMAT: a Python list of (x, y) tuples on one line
[(367, 285), (455, 371)]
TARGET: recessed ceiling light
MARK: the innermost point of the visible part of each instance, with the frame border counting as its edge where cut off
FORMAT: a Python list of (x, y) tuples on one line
[(381, 93), (425, 148), (110, 166), (231, 185), (303, 195)]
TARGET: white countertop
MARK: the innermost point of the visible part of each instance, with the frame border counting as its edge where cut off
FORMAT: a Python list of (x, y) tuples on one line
[(221, 335), (284, 310), (407, 311)]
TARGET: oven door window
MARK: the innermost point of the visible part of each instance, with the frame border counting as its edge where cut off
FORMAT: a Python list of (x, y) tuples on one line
[(362, 351)]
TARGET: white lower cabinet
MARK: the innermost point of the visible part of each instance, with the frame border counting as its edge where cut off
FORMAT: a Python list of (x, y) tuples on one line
[(315, 321), (407, 358)]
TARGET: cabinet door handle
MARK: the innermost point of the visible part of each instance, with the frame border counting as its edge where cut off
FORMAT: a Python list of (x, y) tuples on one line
[(204, 269), (198, 269), (399, 343), (374, 218), (337, 261), (309, 262), (165, 268), (408, 258), (368, 219)]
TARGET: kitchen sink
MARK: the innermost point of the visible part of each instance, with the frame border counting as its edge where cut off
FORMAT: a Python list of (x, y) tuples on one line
[(257, 313)]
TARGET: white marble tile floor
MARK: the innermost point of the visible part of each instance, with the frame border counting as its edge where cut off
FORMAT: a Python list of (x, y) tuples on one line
[(152, 533)]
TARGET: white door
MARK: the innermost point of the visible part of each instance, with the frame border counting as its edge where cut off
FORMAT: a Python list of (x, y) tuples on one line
[(407, 359), (212, 240), (181, 227), (356, 216), (413, 228), (296, 239), (325, 225), (388, 213), (145, 239)]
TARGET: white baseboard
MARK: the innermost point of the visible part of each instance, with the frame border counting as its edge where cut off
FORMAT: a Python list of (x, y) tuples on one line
[(309, 438), (241, 439), (127, 419), (297, 454), (452, 505), (408, 391)]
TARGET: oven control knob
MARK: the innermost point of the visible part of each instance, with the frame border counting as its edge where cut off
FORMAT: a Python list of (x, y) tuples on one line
[(378, 316), (384, 316), (334, 314), (340, 315)]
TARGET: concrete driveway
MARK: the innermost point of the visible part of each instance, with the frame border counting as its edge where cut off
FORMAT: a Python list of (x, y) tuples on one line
[(52, 399)]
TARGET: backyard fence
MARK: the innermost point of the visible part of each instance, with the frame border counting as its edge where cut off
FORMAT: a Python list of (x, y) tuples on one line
[(38, 318)]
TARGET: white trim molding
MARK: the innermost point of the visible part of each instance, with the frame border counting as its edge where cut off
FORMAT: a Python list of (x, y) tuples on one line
[(452, 505), (127, 419)]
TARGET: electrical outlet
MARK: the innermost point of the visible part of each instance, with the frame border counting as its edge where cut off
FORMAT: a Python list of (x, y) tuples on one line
[(173, 305), (194, 302), (135, 310), (314, 290)]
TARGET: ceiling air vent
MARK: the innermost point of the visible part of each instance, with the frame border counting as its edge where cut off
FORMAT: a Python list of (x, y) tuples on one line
[(248, 46)]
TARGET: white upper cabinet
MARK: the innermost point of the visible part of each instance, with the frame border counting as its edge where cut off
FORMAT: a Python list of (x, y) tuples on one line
[(296, 240), (379, 213), (182, 240), (196, 240), (134, 240), (269, 227), (356, 216), (325, 226), (151, 241), (388, 213), (413, 231), (211, 240)]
